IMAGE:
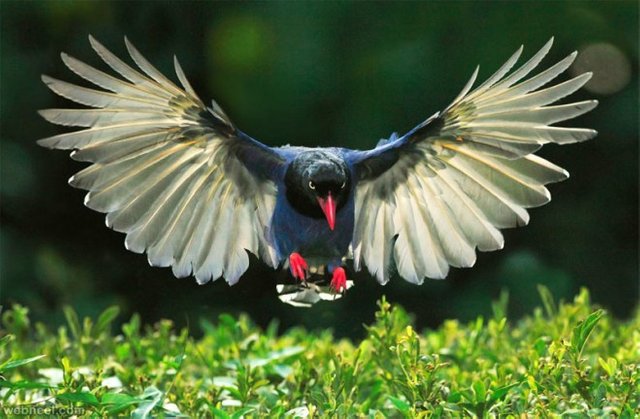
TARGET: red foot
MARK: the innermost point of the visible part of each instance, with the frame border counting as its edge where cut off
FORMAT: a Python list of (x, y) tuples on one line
[(298, 266), (339, 280)]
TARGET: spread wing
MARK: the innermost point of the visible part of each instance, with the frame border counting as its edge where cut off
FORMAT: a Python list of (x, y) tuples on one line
[(178, 178), (427, 200)]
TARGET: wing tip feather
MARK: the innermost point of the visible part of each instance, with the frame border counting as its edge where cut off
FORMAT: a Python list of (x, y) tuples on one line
[(131, 49), (48, 80), (49, 142), (46, 114), (590, 133), (95, 44)]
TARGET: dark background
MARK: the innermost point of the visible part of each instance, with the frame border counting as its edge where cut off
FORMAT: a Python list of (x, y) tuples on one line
[(337, 73)]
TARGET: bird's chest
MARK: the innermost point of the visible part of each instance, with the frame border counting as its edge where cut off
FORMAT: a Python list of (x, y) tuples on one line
[(311, 237)]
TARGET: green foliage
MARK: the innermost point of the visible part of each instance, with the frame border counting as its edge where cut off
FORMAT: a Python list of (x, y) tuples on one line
[(568, 358)]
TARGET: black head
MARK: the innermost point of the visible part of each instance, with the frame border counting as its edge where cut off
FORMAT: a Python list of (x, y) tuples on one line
[(317, 184)]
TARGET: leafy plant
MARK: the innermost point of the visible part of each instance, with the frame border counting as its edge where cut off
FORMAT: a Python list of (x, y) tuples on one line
[(567, 358)]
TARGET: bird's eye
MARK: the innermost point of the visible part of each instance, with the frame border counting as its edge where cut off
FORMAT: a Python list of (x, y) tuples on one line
[(312, 185), (343, 184)]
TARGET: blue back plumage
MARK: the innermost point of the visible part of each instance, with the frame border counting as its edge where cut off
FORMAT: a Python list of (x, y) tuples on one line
[(294, 232), (383, 141)]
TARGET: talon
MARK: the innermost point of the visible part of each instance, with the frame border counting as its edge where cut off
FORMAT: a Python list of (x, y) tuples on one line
[(339, 280), (298, 266)]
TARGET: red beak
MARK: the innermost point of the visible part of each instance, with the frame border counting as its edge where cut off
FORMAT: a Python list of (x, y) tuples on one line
[(328, 206)]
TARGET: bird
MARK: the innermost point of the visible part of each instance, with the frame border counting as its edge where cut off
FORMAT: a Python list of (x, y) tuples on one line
[(194, 192)]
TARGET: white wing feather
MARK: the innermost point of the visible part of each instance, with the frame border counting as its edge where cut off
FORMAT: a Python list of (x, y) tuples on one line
[(476, 175), (162, 177)]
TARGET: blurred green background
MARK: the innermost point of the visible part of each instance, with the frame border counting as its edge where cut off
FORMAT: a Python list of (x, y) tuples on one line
[(338, 73)]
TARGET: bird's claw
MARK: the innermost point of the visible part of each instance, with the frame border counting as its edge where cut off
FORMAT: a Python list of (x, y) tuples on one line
[(298, 266), (339, 280)]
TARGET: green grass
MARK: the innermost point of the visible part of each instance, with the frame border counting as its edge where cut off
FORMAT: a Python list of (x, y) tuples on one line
[(567, 359)]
